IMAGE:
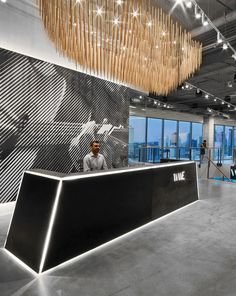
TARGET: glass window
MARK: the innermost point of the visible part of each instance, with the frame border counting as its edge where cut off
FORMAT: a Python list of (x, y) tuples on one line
[(196, 140), (170, 138), (228, 142), (196, 134), (234, 150), (154, 139), (235, 137), (218, 141), (137, 137), (184, 140)]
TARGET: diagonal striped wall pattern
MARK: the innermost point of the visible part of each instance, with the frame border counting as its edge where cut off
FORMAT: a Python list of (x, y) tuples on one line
[(49, 115)]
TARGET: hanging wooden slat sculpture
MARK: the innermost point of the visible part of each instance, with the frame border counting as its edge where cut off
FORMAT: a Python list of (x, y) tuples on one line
[(131, 41)]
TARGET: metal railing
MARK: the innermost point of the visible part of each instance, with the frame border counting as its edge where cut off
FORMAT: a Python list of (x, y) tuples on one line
[(154, 154)]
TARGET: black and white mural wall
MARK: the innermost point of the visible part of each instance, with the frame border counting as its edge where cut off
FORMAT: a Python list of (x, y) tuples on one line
[(49, 115)]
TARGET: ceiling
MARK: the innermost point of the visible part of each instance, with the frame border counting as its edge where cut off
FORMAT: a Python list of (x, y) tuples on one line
[(217, 73)]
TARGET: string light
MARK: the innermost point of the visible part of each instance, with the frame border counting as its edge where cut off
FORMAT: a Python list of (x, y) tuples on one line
[(119, 2), (135, 13), (116, 21), (99, 11)]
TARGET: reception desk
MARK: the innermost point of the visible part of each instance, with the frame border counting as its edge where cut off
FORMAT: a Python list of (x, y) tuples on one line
[(58, 217)]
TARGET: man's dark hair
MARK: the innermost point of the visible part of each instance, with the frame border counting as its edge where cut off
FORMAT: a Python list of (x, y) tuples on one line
[(95, 141)]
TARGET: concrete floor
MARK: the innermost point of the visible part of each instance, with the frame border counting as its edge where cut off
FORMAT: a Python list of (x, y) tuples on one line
[(190, 252)]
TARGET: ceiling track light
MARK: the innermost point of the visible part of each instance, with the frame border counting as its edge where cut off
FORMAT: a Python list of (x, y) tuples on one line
[(225, 46), (208, 95), (207, 21), (197, 13), (204, 20), (219, 37)]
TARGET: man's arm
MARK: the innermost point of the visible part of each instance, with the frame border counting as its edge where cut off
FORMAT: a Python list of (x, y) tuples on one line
[(86, 164)]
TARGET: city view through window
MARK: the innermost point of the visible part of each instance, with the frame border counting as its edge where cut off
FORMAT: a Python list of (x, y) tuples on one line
[(151, 139)]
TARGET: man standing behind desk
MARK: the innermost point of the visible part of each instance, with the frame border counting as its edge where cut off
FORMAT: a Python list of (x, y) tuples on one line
[(94, 160)]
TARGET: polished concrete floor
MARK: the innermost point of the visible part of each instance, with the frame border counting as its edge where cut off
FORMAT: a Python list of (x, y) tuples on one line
[(190, 252)]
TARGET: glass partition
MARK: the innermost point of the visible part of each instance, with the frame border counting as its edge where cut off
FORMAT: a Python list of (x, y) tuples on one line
[(154, 139), (228, 142), (196, 140), (137, 137), (184, 140), (218, 141), (235, 137), (170, 139)]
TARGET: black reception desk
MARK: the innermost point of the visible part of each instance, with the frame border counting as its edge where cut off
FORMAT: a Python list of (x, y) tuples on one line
[(58, 217)]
